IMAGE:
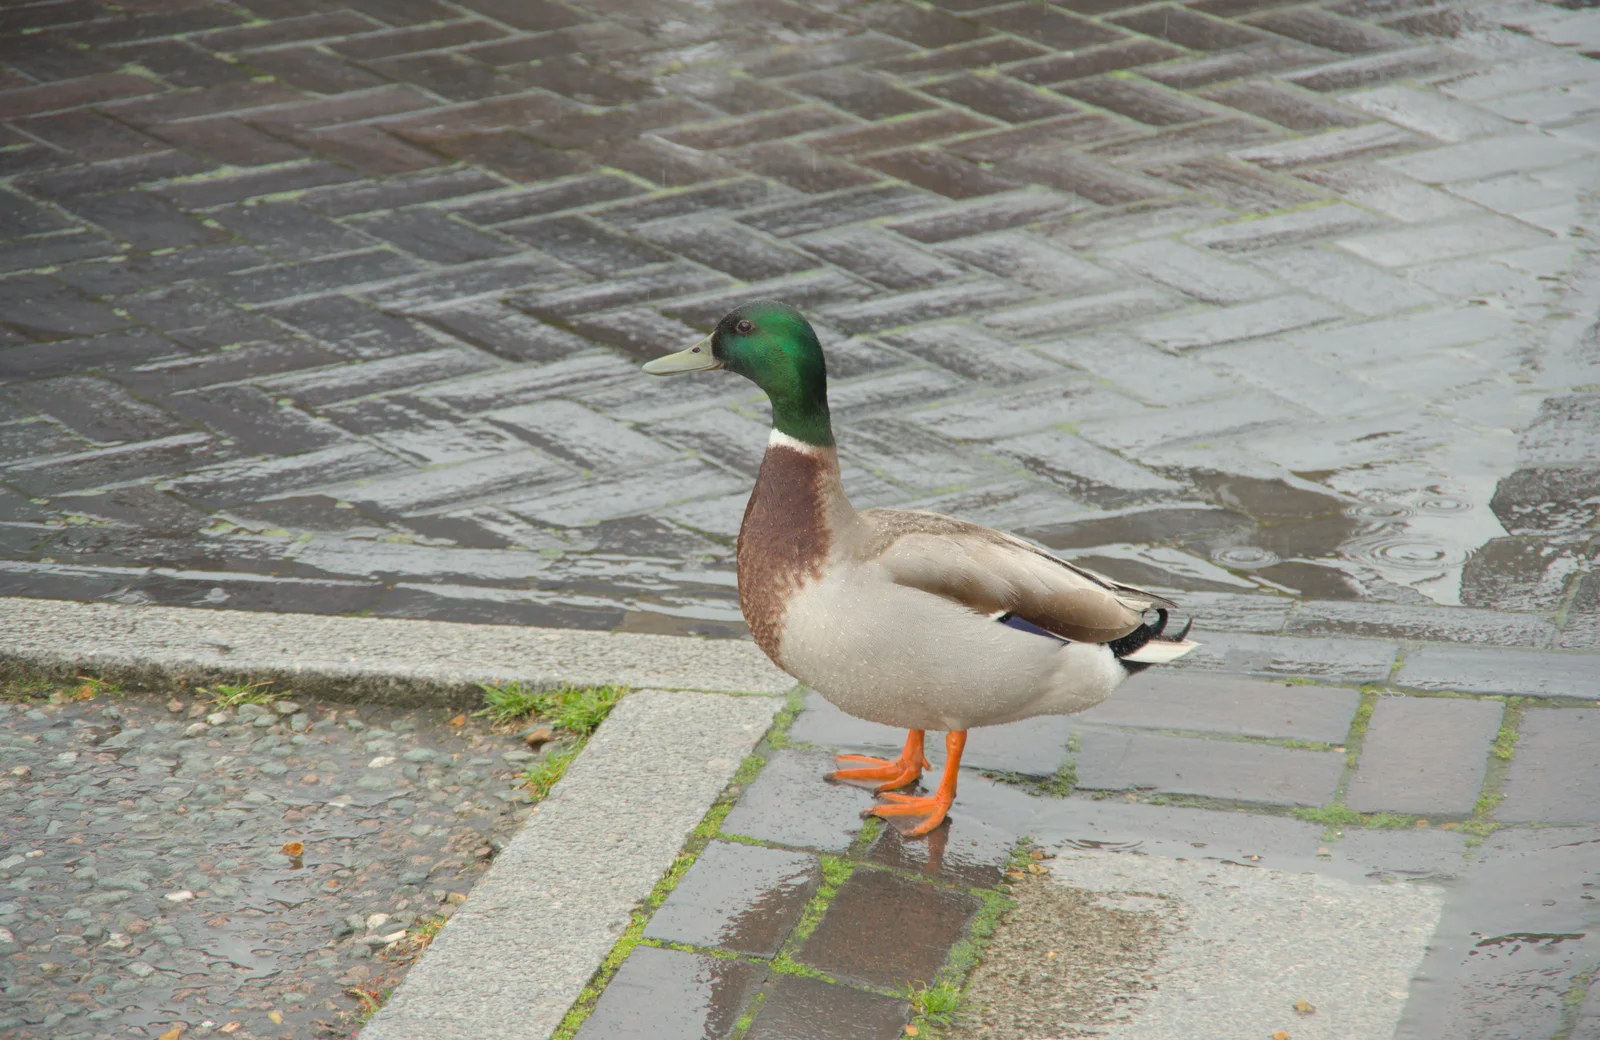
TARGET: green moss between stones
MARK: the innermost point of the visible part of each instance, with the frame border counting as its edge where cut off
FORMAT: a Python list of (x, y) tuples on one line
[(709, 827)]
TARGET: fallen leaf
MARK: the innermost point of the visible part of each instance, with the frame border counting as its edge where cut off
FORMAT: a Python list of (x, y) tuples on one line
[(1305, 1007), (293, 849), (538, 738), (172, 1034), (1037, 854), (276, 1016), (1280, 1035), (459, 720), (912, 1031), (231, 1027)]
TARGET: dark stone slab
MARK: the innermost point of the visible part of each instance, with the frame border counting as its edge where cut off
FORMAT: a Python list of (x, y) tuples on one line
[(968, 850), (791, 803), (1555, 774), (1521, 672), (888, 930), (674, 996), (1425, 624), (1331, 660), (1424, 755), (800, 1008), (1036, 747), (1245, 707), (1410, 855), (739, 897), (1112, 761)]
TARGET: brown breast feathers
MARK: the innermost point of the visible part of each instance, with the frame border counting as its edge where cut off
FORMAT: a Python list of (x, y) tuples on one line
[(784, 540)]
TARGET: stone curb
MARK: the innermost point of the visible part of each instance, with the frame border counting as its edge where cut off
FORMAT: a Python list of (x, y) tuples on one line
[(384, 660), (539, 924)]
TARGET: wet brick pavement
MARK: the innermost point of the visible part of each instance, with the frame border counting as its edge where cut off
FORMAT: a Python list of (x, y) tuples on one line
[(800, 920), (143, 883), (327, 306), (337, 306)]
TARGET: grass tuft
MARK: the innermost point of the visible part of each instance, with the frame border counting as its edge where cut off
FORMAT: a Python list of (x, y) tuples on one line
[(507, 702), (231, 695), (576, 709), (935, 1004)]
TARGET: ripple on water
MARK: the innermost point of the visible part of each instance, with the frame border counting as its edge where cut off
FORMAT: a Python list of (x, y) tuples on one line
[(1444, 505), (1385, 511), (1244, 557), (1398, 550)]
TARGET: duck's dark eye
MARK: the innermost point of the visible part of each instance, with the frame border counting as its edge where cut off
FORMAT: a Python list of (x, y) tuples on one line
[(744, 327)]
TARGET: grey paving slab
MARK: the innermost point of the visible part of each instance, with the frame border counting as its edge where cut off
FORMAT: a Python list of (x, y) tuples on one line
[(543, 907), (1523, 673), (744, 898), (1427, 624), (1424, 755), (1244, 707), (1411, 855), (1554, 775), (667, 993), (789, 805), (1329, 660), (1112, 761)]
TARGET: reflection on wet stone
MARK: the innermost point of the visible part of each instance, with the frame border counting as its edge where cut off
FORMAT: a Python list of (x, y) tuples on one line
[(738, 897), (887, 930), (671, 995), (800, 1008), (968, 850)]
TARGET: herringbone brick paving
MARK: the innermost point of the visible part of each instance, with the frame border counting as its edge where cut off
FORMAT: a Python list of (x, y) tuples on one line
[(337, 305)]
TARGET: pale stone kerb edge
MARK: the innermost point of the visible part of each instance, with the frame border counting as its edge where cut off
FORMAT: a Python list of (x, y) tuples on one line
[(536, 928), (389, 660)]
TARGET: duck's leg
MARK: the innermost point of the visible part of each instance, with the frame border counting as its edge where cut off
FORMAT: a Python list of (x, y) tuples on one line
[(900, 772), (931, 808)]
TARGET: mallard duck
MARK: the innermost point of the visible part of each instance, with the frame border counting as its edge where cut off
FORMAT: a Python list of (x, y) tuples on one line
[(912, 619)]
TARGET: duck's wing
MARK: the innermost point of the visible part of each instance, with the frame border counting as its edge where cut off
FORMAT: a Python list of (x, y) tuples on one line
[(992, 572)]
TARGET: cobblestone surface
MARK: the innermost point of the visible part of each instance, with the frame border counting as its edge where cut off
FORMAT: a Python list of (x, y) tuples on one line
[(335, 307), (145, 883)]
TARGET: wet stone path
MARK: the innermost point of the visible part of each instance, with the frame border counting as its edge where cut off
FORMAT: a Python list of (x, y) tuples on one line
[(337, 305), (144, 883), (800, 921)]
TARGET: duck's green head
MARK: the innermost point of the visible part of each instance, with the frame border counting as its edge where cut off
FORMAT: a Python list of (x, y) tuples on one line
[(772, 345)]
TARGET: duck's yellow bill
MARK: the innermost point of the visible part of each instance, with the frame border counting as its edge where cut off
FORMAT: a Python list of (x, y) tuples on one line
[(697, 358)]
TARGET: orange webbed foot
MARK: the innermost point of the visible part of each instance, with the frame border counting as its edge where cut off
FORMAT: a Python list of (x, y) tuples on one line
[(925, 812), (895, 773), (913, 815)]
